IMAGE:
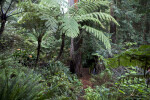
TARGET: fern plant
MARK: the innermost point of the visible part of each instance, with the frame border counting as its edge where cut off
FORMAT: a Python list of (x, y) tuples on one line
[(40, 20), (20, 84)]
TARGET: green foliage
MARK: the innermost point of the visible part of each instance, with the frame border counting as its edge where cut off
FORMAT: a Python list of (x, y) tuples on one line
[(100, 35), (102, 78), (132, 57), (62, 85), (132, 88), (25, 57), (125, 88), (132, 19), (87, 13), (70, 27), (20, 84), (99, 93)]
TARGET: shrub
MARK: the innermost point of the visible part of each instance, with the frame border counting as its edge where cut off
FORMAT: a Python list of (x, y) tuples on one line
[(62, 85)]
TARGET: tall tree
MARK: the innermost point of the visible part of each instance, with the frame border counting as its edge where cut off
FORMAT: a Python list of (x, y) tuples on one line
[(84, 13)]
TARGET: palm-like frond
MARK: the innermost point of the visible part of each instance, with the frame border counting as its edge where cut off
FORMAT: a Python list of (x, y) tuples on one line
[(84, 7), (90, 19), (99, 34), (98, 15), (69, 27)]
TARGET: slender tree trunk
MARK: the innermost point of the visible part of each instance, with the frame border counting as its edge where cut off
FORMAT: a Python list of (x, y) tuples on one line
[(62, 47), (38, 51), (2, 27), (3, 19), (146, 30), (112, 26), (72, 65)]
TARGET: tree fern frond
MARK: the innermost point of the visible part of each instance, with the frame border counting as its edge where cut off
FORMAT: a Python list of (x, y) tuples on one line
[(69, 27), (100, 35), (101, 16), (81, 19), (85, 7), (51, 22)]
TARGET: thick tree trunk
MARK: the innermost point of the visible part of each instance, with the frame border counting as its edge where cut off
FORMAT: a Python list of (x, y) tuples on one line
[(62, 47), (75, 52), (76, 56)]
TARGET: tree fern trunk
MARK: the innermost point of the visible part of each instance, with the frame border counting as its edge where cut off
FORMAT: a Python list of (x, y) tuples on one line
[(38, 51), (3, 19), (62, 47), (2, 27)]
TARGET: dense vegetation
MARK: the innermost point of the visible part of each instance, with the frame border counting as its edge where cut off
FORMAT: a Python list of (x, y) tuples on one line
[(46, 47)]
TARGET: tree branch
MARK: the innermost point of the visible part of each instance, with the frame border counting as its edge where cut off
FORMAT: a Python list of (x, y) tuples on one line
[(2, 10), (14, 14), (11, 12), (9, 6)]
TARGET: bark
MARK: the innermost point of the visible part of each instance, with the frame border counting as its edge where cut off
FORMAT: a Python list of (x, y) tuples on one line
[(72, 65), (75, 52), (146, 30), (76, 56), (112, 26), (38, 51), (2, 27), (62, 47), (3, 22)]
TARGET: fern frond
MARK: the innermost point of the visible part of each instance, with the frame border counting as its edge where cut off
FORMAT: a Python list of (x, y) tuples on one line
[(100, 35), (85, 7), (69, 27), (96, 21), (51, 22), (101, 16)]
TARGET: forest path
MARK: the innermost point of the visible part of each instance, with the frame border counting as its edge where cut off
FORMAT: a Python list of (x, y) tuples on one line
[(85, 79)]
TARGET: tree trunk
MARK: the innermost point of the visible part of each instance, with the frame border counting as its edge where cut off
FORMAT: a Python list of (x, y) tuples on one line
[(38, 51), (72, 65), (62, 47), (75, 52), (2, 27), (76, 56), (146, 30), (112, 26)]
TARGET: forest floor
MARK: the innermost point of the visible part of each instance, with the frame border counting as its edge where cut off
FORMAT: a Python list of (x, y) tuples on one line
[(85, 79)]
